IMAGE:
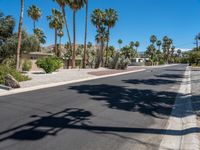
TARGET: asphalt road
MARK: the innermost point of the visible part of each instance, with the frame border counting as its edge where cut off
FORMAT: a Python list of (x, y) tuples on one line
[(116, 113)]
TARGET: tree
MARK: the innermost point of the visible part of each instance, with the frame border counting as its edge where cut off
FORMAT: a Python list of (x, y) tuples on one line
[(85, 39), (62, 4), (75, 5), (179, 52), (111, 19), (60, 35), (120, 43), (19, 35), (137, 44), (98, 18), (101, 38), (7, 25), (153, 39), (40, 35), (166, 46), (132, 44), (151, 50), (56, 22), (159, 43), (35, 13)]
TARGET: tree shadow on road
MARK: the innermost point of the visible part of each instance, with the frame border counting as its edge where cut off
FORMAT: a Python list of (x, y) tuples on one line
[(148, 102), (76, 119), (150, 81)]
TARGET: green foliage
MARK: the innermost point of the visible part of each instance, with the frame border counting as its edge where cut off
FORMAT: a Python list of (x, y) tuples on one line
[(49, 64), (4, 70), (29, 44), (7, 25), (9, 62), (27, 65)]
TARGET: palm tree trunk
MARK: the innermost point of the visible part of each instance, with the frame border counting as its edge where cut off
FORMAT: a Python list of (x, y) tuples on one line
[(56, 47), (106, 62), (34, 25), (74, 42), (85, 40), (66, 24), (19, 35)]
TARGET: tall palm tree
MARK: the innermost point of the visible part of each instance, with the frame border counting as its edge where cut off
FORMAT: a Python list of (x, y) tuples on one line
[(153, 39), (159, 43), (40, 35), (120, 43), (75, 5), (111, 19), (132, 44), (56, 22), (60, 35), (85, 39), (35, 13), (137, 44), (101, 38), (20, 35), (62, 4)]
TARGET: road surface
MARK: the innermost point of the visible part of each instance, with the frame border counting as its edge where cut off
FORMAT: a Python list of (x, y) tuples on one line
[(127, 112)]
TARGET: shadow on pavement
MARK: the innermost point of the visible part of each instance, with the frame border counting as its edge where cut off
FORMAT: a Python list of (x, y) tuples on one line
[(77, 119), (150, 81)]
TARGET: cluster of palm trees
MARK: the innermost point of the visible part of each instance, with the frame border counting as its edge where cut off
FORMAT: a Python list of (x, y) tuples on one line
[(56, 21), (154, 49), (103, 20)]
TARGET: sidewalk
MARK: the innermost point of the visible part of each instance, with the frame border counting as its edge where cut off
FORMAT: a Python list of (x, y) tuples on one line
[(183, 120)]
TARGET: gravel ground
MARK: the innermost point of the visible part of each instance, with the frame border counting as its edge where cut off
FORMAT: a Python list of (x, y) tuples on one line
[(39, 78)]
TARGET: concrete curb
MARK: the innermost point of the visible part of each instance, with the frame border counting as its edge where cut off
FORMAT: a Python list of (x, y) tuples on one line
[(21, 90), (5, 87), (183, 121)]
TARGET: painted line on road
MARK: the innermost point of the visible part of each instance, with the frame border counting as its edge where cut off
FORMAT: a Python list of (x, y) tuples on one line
[(182, 123), (21, 90)]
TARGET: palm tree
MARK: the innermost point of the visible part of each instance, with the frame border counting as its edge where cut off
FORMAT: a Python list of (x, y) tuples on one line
[(20, 35), (153, 39), (35, 13), (137, 44), (159, 43), (85, 39), (56, 22), (120, 43), (62, 4), (131, 44), (75, 5), (60, 35), (40, 35), (111, 19), (98, 18), (179, 52), (101, 38)]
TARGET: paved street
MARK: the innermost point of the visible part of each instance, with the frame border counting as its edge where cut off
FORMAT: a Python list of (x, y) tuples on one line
[(116, 113)]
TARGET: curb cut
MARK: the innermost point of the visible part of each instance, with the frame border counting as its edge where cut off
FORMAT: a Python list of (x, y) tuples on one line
[(21, 90)]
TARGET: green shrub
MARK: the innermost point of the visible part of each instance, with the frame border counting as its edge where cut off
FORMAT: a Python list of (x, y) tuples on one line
[(4, 70), (49, 64), (161, 62), (9, 62), (123, 63), (27, 65)]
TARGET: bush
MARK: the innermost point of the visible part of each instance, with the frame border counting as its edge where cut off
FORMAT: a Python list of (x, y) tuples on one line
[(27, 65), (123, 63), (114, 62), (49, 64), (4, 70), (161, 62), (9, 62)]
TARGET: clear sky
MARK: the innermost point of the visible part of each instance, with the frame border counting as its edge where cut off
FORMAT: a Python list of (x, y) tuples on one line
[(138, 19)]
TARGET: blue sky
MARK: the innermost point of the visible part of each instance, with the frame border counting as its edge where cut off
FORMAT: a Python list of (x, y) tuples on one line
[(138, 19)]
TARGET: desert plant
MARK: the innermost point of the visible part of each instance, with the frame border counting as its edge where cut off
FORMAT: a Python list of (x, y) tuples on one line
[(49, 64), (4, 70), (27, 65)]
